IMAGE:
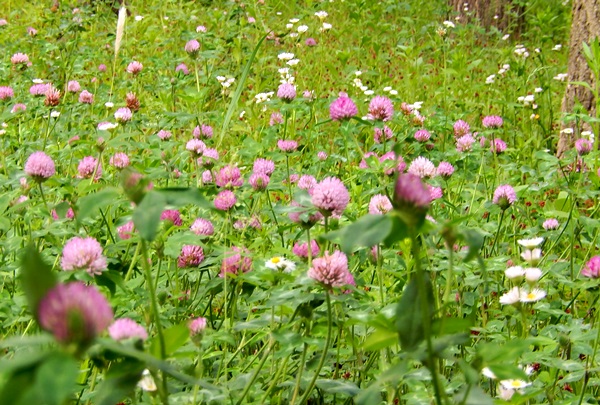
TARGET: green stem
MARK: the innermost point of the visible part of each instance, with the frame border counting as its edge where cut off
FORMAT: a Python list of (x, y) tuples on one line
[(260, 366), (497, 232)]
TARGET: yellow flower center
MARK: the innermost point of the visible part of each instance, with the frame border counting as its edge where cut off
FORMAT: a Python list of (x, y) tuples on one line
[(516, 384), (276, 260), (530, 296)]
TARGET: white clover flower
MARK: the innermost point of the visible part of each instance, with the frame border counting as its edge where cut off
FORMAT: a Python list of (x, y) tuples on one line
[(568, 131), (416, 105), (506, 66), (280, 264), (530, 243), (221, 78), (55, 114), (289, 26), (511, 297), (285, 56), (357, 73), (302, 29), (363, 88)]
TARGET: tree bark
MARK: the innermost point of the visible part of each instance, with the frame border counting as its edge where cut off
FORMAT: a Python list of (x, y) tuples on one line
[(502, 14), (585, 26)]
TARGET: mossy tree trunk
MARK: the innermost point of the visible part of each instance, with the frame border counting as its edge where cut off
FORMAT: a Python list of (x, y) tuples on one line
[(585, 26)]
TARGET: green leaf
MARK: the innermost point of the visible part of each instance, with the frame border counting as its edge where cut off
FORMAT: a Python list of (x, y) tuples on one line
[(409, 312), (472, 395), (175, 337), (119, 382), (238, 91), (56, 378), (343, 387), (473, 239), (179, 196), (367, 231), (36, 278), (146, 216), (380, 339), (91, 204), (398, 232)]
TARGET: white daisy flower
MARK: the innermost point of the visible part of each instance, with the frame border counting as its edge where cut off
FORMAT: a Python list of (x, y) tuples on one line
[(532, 296), (281, 264), (511, 297)]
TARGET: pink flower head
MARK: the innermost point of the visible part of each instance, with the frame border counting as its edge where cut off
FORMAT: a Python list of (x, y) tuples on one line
[(32, 32), (330, 196), (259, 181), (39, 166), (342, 108), (40, 89), (20, 59), (206, 131), (322, 155), (18, 108), (331, 270), (201, 28), (74, 313), (85, 97), (126, 328), (52, 97), (422, 135), (304, 216), (301, 249), (202, 226), (87, 166), (445, 170), (134, 68), (123, 115), (172, 216), (195, 146), (435, 192), (102, 67), (307, 182), (592, 268), (164, 134), (190, 256), (276, 118), (264, 166), (119, 160), (225, 200), (192, 47), (287, 145), (492, 121), (236, 261), (461, 128), (286, 92), (182, 68), (465, 143), (498, 146), (381, 109), (410, 193), (251, 20), (73, 86), (379, 204), (229, 177), (125, 231), (6, 93), (504, 196), (399, 164), (583, 146), (197, 326), (70, 214), (83, 254), (386, 134), (208, 158), (310, 42), (422, 167), (550, 224), (207, 177)]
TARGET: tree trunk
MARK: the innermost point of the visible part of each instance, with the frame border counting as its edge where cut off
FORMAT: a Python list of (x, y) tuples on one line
[(585, 26), (502, 14)]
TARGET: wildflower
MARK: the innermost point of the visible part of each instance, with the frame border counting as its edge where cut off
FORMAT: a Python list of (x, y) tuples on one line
[(126, 328), (52, 97), (435, 192), (498, 146), (448, 24), (171, 216), (310, 42), (132, 102), (276, 118), (515, 273), (511, 297), (236, 261), (550, 224), (125, 231), (73, 86), (378, 134), (197, 326), (85, 97), (410, 193), (532, 275), (164, 134), (504, 196), (592, 268), (321, 155), (208, 158), (225, 200), (492, 121), (330, 196), (331, 270), (465, 143), (83, 254), (192, 47), (70, 214), (287, 145), (201, 28), (119, 160), (445, 170), (40, 89), (107, 126), (88, 166), (422, 167), (264, 166), (74, 313), (147, 383), (182, 68), (195, 146), (123, 115), (379, 204), (228, 177), (18, 108), (514, 384), (6, 93), (381, 108), (304, 216), (530, 243), (321, 15), (202, 226), (342, 108), (280, 264), (20, 59), (134, 68), (286, 92), (532, 296), (532, 256), (102, 67), (190, 256), (259, 181), (583, 146), (39, 166), (461, 128), (206, 131), (301, 249), (422, 135)]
